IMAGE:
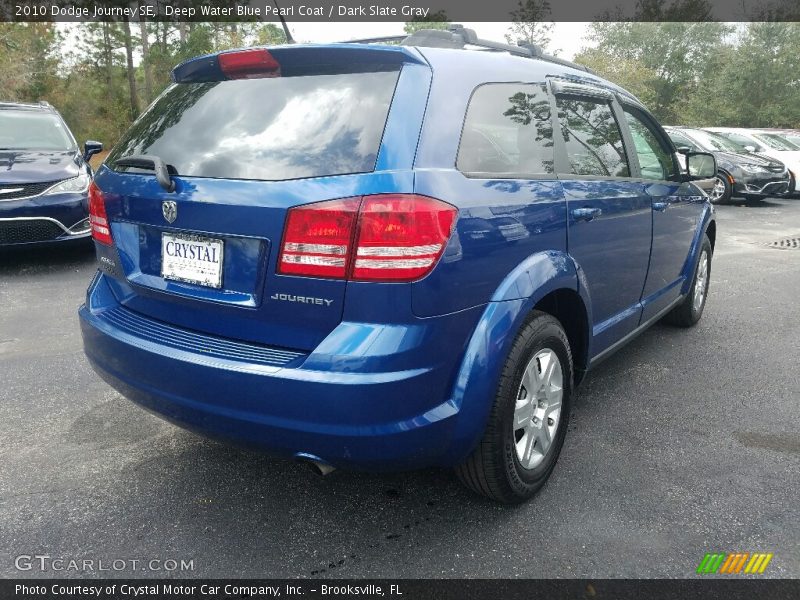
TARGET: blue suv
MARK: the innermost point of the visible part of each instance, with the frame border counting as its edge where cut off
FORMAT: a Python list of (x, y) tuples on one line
[(44, 178), (389, 256)]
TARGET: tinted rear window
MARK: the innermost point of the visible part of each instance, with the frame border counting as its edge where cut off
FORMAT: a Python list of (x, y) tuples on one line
[(269, 129), (507, 131)]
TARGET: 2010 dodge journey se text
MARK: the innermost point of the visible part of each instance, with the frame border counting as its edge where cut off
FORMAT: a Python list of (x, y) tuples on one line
[(378, 256)]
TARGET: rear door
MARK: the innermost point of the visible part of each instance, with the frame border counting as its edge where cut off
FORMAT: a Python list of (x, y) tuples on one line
[(511, 205), (243, 151), (609, 222), (676, 208)]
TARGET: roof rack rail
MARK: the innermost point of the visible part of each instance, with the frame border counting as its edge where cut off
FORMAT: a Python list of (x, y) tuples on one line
[(376, 40), (458, 36), (538, 52)]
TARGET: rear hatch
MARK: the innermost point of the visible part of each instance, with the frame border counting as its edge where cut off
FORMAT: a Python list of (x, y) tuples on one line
[(243, 146)]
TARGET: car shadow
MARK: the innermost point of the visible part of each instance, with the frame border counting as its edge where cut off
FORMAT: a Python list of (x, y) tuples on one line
[(26, 260), (308, 525), (769, 203)]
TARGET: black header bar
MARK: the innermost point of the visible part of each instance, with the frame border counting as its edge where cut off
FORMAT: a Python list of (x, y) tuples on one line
[(401, 10)]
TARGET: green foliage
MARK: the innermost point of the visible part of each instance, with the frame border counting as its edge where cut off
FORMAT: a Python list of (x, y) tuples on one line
[(28, 60), (528, 25), (437, 20), (755, 84), (271, 35), (702, 74), (668, 59), (628, 73)]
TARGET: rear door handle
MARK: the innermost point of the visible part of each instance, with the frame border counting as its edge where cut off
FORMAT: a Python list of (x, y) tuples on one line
[(660, 206), (585, 214)]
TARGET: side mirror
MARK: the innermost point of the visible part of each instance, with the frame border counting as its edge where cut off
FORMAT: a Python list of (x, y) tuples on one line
[(750, 148), (700, 165), (90, 148), (683, 149)]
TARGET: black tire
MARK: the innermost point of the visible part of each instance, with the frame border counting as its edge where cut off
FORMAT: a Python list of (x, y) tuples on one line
[(494, 469), (725, 198), (687, 313)]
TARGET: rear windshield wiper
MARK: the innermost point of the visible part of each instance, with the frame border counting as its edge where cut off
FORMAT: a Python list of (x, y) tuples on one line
[(150, 162)]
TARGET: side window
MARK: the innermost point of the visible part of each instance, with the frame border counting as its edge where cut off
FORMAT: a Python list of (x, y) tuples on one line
[(592, 136), (655, 157), (681, 141), (507, 130), (743, 141)]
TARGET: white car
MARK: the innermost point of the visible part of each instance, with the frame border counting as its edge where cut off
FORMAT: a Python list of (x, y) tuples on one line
[(767, 143), (791, 135)]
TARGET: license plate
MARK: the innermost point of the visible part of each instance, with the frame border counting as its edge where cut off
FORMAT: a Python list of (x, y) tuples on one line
[(192, 259)]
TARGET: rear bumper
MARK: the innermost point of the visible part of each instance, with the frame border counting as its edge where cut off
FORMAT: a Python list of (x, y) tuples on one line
[(356, 419)]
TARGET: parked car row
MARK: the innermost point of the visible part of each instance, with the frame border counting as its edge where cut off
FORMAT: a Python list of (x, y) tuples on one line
[(751, 163)]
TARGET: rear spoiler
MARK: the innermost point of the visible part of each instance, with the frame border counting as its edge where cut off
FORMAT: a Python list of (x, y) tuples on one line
[(296, 59)]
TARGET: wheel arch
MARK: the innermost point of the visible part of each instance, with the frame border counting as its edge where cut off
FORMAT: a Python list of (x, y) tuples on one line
[(711, 232), (725, 173), (546, 281), (568, 307), (707, 225)]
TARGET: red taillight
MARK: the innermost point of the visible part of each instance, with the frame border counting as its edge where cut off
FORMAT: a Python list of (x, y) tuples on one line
[(101, 230), (317, 239), (249, 64), (391, 237), (400, 237)]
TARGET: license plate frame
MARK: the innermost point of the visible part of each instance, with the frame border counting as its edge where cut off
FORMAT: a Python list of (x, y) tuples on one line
[(189, 270)]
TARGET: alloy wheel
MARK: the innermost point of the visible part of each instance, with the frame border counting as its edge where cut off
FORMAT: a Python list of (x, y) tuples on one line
[(718, 191), (538, 408), (701, 282)]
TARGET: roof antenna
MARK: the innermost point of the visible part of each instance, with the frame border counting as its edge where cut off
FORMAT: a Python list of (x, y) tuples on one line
[(289, 38)]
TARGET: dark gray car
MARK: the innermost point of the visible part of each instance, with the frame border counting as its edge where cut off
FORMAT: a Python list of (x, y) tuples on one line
[(739, 172)]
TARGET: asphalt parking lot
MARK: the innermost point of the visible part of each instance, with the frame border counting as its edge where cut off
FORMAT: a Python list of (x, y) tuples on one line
[(683, 443)]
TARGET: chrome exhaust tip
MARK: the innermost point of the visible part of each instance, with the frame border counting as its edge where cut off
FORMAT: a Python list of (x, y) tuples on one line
[(315, 463)]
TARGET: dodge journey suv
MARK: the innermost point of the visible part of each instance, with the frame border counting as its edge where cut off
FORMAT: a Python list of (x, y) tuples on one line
[(376, 257)]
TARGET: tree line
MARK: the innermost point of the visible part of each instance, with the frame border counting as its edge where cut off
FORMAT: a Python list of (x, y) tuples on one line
[(100, 76), (704, 74)]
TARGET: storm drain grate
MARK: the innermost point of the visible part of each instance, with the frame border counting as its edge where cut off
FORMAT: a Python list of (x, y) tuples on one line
[(786, 244)]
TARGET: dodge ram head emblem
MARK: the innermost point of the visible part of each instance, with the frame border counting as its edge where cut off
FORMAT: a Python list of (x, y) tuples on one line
[(170, 210)]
